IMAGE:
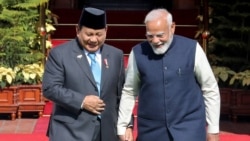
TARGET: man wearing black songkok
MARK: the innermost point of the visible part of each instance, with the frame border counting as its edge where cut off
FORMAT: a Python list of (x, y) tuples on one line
[(85, 103)]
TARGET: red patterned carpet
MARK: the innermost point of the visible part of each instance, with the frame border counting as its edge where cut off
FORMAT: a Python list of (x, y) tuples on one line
[(23, 137), (41, 126), (39, 132), (47, 108), (234, 137), (41, 137)]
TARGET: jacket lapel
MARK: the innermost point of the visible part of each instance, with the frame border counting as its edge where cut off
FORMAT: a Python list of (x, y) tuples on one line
[(83, 63), (81, 59), (105, 66)]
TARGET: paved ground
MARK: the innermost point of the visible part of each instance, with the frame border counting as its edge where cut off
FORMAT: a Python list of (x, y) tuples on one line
[(24, 125)]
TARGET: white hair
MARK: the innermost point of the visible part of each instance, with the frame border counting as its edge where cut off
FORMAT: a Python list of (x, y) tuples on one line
[(159, 13)]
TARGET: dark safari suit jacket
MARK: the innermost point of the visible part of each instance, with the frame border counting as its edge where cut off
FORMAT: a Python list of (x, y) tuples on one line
[(68, 79)]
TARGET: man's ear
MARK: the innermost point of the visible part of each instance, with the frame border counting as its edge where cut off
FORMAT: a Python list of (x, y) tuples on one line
[(173, 27), (106, 28), (77, 29)]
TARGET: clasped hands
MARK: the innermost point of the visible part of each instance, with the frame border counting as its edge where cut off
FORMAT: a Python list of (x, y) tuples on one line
[(94, 104)]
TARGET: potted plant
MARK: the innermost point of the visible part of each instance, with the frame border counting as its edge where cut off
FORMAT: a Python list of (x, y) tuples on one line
[(29, 78), (20, 43), (8, 103), (223, 76), (230, 28), (22, 49)]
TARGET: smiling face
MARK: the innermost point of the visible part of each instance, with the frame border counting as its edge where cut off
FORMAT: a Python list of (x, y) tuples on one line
[(159, 33), (91, 39)]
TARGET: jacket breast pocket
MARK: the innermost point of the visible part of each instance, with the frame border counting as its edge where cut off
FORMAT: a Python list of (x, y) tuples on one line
[(184, 72)]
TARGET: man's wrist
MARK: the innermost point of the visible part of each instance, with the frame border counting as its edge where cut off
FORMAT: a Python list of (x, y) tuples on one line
[(130, 126)]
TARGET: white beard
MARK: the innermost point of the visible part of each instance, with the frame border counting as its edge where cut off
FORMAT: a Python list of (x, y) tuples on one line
[(164, 46)]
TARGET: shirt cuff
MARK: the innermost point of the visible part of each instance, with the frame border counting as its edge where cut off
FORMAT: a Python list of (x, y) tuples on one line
[(121, 130), (213, 129)]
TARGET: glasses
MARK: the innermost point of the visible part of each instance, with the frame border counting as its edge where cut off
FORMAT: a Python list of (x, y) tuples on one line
[(159, 35)]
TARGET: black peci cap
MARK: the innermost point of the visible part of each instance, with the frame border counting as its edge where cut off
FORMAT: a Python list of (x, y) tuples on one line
[(93, 18)]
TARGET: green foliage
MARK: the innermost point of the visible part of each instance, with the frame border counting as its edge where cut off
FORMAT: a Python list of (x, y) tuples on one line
[(222, 73), (20, 50), (29, 74), (242, 79), (7, 76), (230, 27), (19, 42), (229, 42)]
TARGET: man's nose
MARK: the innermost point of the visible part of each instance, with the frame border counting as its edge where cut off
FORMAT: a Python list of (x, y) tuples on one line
[(155, 40), (93, 38)]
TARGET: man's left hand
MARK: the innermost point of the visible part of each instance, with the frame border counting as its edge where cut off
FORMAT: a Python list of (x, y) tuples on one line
[(128, 135)]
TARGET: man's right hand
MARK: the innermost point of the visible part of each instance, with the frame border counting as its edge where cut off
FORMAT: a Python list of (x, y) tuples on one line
[(93, 104)]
